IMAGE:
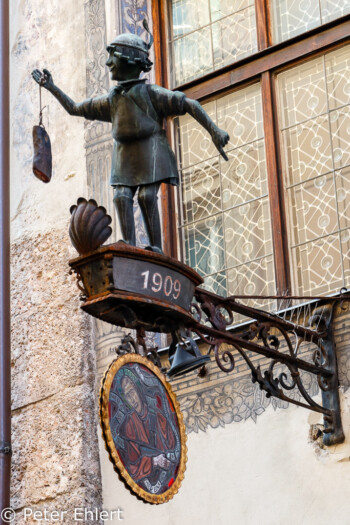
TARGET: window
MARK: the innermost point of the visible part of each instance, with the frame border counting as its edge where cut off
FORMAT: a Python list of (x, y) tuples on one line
[(209, 35), (276, 76), (293, 17), (221, 200), (314, 120)]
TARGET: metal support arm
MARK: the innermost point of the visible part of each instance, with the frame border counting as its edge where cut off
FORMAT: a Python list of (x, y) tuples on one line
[(264, 337), (142, 290)]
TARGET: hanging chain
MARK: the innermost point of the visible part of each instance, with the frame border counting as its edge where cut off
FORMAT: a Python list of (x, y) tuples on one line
[(40, 104)]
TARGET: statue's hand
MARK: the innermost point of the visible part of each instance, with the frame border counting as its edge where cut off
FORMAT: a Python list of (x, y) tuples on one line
[(220, 139), (43, 78)]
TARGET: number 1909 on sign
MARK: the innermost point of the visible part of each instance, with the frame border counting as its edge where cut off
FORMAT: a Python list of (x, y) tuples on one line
[(156, 283)]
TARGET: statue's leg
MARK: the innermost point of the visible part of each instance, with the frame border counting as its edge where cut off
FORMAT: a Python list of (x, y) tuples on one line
[(123, 202), (148, 197)]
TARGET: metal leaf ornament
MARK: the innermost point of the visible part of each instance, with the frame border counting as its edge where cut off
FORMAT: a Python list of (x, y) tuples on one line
[(89, 225)]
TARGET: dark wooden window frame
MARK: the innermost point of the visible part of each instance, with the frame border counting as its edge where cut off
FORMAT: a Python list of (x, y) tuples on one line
[(262, 66)]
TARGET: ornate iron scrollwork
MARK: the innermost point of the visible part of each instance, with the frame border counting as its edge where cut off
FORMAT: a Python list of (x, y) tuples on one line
[(266, 336), (129, 345)]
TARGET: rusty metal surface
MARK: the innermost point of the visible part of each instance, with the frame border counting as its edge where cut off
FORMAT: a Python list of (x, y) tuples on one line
[(156, 281), (120, 249), (130, 310), (131, 287)]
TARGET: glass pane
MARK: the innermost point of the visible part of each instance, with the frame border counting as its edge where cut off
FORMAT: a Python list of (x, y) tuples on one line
[(317, 267), (338, 78), (345, 247), (313, 204), (240, 114), (204, 242), (316, 169), (201, 190), (216, 283), (307, 150), (189, 16), (255, 278), (244, 175), (195, 143), (303, 93), (340, 129), (193, 56), (247, 232), (293, 17), (332, 9), (209, 34), (342, 182), (221, 8), (234, 37)]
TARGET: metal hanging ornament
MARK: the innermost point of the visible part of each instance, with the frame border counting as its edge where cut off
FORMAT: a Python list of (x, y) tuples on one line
[(42, 156)]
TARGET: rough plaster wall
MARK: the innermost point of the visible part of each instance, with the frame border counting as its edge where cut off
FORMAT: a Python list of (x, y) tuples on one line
[(265, 473), (251, 470), (46, 34), (55, 460), (251, 460)]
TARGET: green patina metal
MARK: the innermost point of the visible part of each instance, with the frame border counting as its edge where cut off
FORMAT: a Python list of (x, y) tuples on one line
[(142, 158)]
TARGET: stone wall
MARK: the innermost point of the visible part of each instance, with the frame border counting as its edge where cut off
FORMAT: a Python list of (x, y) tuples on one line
[(55, 458)]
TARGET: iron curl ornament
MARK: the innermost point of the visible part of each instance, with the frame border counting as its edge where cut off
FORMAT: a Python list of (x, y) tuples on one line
[(266, 335), (147, 291)]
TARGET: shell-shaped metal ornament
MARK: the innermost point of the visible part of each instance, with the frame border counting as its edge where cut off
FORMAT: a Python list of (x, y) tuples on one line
[(89, 225)]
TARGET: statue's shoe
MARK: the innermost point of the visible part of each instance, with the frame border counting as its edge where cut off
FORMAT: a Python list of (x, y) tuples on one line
[(155, 249)]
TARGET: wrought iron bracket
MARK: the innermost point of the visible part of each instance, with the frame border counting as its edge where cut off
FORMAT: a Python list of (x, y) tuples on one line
[(333, 430), (138, 289), (213, 315), (130, 346)]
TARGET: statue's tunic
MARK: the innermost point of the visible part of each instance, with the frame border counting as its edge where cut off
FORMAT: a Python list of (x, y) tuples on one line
[(141, 153)]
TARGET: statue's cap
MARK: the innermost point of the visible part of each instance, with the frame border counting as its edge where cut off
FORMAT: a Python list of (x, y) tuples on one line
[(133, 48), (130, 40)]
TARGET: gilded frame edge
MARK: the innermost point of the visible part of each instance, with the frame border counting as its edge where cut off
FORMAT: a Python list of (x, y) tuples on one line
[(106, 384)]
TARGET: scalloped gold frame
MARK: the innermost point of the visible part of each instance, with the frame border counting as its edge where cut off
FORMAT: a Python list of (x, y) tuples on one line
[(108, 439)]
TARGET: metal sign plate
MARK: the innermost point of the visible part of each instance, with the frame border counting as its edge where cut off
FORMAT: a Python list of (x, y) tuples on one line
[(153, 280)]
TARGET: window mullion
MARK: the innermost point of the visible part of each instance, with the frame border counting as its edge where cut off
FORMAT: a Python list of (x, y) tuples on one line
[(167, 198), (263, 25), (279, 233)]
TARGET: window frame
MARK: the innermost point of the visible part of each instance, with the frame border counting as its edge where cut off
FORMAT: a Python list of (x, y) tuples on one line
[(263, 66)]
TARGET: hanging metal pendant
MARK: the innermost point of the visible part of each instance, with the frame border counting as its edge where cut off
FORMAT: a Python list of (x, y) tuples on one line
[(42, 157)]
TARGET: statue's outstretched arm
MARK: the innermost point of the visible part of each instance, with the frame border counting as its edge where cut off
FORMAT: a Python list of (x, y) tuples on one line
[(219, 136), (45, 79)]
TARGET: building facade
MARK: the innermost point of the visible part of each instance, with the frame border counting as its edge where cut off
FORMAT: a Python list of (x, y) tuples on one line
[(274, 219)]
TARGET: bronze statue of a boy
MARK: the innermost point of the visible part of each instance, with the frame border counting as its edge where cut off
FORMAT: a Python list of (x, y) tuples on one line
[(142, 157)]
